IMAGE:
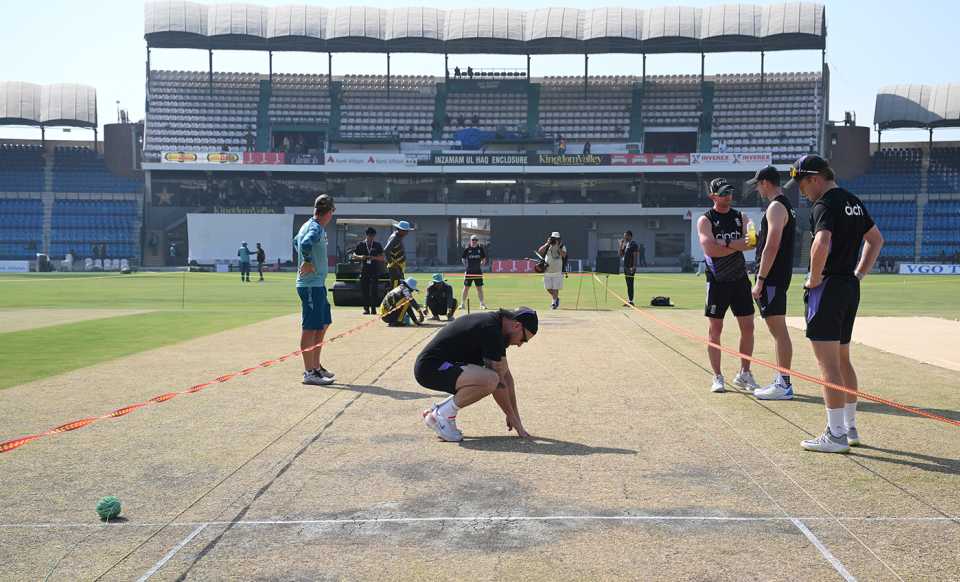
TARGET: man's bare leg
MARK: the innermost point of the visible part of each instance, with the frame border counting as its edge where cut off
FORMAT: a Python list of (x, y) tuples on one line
[(716, 331), (746, 340)]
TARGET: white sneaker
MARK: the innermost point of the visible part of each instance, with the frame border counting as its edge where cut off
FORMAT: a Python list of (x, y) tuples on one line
[(313, 379), (325, 372), (827, 443), (446, 429), (718, 384), (853, 437), (775, 391), (744, 379), (482, 306)]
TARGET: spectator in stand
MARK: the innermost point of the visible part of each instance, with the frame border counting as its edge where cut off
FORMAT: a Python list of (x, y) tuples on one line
[(249, 139), (470, 72), (456, 72), (586, 147), (475, 120)]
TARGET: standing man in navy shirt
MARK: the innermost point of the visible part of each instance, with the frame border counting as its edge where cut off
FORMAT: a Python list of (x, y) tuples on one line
[(775, 243), (722, 232), (630, 252), (370, 254), (474, 258), (840, 223)]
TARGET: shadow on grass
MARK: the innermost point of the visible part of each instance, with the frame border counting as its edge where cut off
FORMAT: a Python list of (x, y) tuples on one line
[(877, 408), (538, 446), (381, 391), (910, 459)]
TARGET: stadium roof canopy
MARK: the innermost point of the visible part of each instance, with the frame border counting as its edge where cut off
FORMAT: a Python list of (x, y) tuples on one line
[(66, 104), (918, 106), (312, 28)]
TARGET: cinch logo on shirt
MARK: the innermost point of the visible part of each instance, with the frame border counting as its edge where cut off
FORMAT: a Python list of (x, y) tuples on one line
[(728, 236), (853, 210)]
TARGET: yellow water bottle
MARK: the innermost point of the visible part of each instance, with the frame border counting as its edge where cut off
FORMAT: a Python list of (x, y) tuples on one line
[(751, 235)]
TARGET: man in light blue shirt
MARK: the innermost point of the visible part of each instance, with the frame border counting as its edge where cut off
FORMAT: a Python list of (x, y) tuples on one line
[(244, 254), (311, 247)]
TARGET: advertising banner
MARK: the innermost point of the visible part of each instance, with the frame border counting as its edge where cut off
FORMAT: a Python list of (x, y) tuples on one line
[(928, 269), (265, 158), (371, 160), (200, 158), (14, 266), (727, 159), (650, 159), (513, 266)]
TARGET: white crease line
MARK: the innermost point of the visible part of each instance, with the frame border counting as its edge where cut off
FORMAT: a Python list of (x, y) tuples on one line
[(481, 518), (837, 565), (171, 553)]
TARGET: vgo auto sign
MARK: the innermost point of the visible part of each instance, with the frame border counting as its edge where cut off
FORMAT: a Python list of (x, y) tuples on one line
[(928, 269)]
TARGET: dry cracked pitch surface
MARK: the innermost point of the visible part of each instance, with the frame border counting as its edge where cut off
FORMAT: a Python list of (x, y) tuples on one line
[(296, 482)]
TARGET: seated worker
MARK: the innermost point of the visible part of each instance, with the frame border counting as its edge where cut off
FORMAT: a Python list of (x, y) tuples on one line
[(440, 300), (397, 303)]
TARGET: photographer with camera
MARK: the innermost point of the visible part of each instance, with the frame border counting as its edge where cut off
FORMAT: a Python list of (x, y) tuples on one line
[(553, 252)]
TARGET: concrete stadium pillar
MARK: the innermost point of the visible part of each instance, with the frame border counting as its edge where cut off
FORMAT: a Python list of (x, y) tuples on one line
[(270, 65), (528, 67), (210, 72), (643, 79), (586, 72), (388, 75)]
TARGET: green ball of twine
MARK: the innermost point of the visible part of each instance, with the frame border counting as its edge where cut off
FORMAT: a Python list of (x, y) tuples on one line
[(108, 508)]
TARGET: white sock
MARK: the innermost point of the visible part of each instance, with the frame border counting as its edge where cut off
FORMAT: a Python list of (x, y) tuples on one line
[(850, 414), (835, 421), (448, 408)]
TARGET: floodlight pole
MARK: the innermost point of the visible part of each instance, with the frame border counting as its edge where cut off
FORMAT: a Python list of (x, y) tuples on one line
[(330, 73), (43, 136), (528, 67), (703, 67), (763, 57), (210, 72), (146, 100), (388, 75), (643, 80), (446, 67), (586, 70), (879, 138), (270, 65), (930, 143)]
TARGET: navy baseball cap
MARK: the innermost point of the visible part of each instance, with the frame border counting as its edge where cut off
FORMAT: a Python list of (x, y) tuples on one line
[(528, 319), (769, 173), (721, 187), (808, 165)]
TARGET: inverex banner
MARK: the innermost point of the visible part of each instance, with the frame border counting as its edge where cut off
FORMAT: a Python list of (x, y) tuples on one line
[(751, 160), (928, 269), (201, 158)]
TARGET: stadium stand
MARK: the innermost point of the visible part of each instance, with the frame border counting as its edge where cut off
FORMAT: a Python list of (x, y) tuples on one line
[(892, 171), (79, 169), (21, 168), (782, 116), (485, 110), (80, 224), (897, 220), (407, 111), (941, 230), (603, 113), (300, 99), (672, 101), (944, 175), (21, 228), (185, 115)]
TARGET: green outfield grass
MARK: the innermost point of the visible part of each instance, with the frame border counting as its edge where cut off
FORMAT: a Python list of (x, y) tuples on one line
[(186, 306)]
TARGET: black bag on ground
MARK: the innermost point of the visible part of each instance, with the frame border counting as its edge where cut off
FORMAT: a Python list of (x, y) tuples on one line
[(660, 301)]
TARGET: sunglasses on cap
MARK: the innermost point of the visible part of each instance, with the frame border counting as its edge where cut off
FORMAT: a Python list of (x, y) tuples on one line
[(796, 173)]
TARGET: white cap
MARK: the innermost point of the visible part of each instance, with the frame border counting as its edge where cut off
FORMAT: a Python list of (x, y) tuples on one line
[(555, 234), (474, 237)]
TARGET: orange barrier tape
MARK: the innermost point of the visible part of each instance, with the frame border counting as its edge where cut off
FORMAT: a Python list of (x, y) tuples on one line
[(866, 395), (77, 424)]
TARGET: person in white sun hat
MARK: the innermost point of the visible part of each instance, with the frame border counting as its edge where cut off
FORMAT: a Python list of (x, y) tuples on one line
[(553, 252)]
